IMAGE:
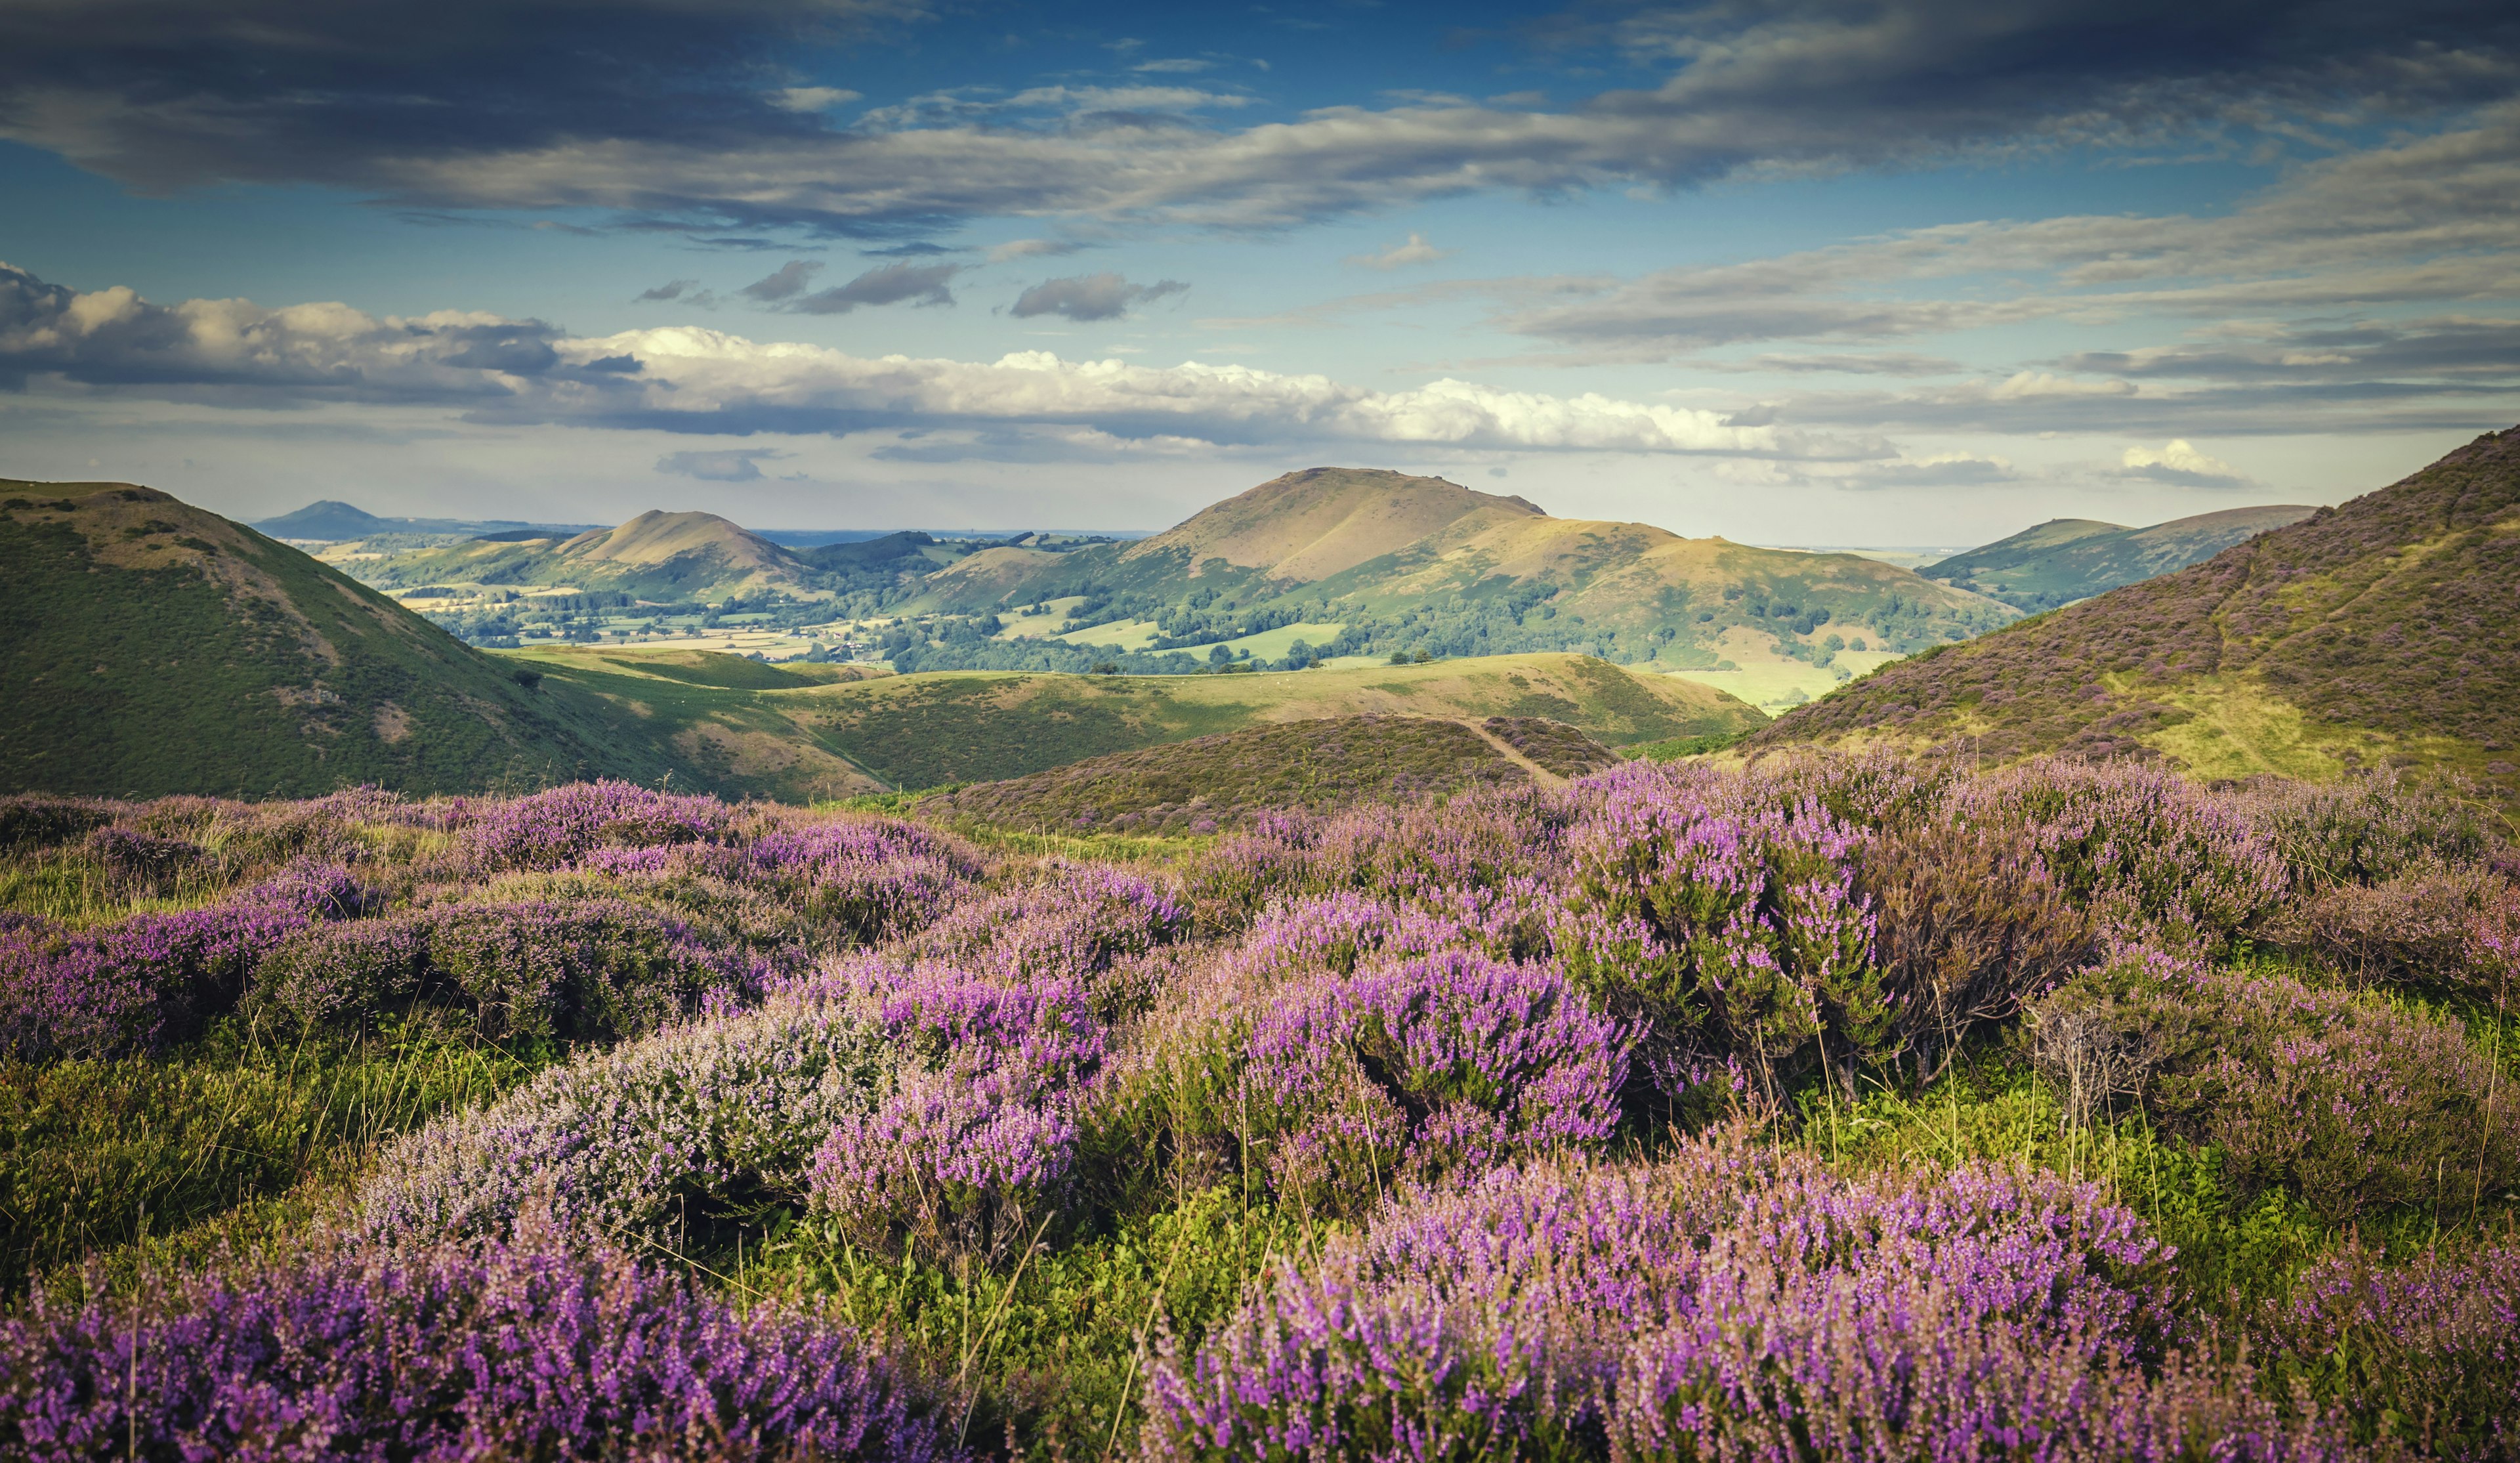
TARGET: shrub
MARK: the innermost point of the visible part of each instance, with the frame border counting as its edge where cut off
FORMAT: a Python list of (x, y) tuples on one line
[(723, 1114), (2435, 926), (139, 864), (1444, 1062), (1076, 919), (151, 980), (2344, 1099), (37, 820), (594, 970), (2426, 1353), (564, 824), (525, 1350), (1486, 846), (1727, 1302), (2155, 858), (1730, 924), (1968, 924), (2369, 829)]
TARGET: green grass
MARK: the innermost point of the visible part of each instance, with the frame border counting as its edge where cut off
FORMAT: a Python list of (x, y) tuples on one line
[(94, 1155)]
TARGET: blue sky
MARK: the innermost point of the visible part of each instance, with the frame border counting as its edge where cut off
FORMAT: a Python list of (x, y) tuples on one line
[(1894, 273)]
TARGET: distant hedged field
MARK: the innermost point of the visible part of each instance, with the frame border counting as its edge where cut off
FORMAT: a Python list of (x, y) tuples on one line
[(1835, 1109)]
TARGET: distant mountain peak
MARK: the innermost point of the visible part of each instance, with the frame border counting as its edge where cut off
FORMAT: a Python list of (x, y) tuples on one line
[(1311, 523)]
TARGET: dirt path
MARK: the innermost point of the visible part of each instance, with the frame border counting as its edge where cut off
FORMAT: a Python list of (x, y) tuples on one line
[(1504, 748)]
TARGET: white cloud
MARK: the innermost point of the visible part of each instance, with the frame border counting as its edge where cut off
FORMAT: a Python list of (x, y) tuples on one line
[(1027, 248), (813, 98), (1416, 252), (2176, 461)]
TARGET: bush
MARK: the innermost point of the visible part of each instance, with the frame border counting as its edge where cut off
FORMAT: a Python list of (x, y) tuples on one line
[(2369, 829), (566, 823), (2340, 1098), (2425, 1352), (525, 1350), (1730, 924), (151, 980), (721, 1115), (2441, 927), (36, 820), (594, 970), (1731, 1301), (1968, 924), (2156, 859)]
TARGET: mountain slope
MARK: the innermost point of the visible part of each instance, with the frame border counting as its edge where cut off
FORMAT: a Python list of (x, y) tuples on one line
[(149, 647), (2387, 629), (1393, 562), (333, 520), (2065, 560), (791, 738)]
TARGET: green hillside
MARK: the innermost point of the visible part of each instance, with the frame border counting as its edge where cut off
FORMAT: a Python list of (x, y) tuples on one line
[(1378, 562), (662, 556), (2064, 560), (1220, 781), (148, 648), (830, 737), (2386, 630)]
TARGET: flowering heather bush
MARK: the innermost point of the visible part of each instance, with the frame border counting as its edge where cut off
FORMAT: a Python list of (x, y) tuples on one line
[(575, 971), (710, 1111), (140, 863), (2367, 830), (152, 979), (2342, 1098), (1448, 1060), (549, 829), (2440, 927), (1875, 789), (531, 1350), (2427, 1352), (39, 820), (1483, 842), (953, 1164), (1074, 919), (867, 880), (1968, 924), (1726, 920), (2157, 860), (1728, 1303)]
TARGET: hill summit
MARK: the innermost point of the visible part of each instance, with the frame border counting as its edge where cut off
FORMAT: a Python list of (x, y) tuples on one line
[(2386, 629), (1310, 525), (656, 555)]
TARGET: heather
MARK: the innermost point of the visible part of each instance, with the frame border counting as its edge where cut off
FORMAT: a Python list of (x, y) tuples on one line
[(1822, 1107)]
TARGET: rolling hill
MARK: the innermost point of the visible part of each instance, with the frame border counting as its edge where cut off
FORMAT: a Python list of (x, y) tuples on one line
[(662, 556), (800, 732), (2069, 559), (1216, 781), (332, 521), (2386, 630), (148, 647), (1389, 561)]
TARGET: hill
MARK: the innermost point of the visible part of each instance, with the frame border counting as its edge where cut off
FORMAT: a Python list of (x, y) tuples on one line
[(332, 521), (1213, 781), (1374, 562), (148, 647), (2064, 560), (2383, 630), (662, 556), (798, 738)]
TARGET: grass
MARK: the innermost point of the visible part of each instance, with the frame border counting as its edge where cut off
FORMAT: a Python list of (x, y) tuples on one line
[(96, 1155), (1217, 781)]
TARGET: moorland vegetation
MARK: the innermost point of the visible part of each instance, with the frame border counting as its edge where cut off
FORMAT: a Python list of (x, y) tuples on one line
[(1826, 1107)]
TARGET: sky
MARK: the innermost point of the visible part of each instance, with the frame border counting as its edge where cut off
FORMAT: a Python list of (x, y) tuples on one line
[(1803, 272)]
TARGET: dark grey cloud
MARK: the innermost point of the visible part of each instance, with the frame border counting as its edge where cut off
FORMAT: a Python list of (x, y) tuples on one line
[(734, 465), (890, 284), (1090, 297), (679, 291), (669, 114), (783, 284), (236, 351)]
